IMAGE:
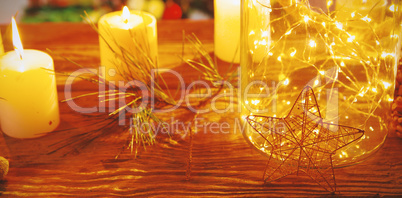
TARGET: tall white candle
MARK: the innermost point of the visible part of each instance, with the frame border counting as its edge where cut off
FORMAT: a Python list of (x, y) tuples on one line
[(227, 30), (120, 32), (28, 105)]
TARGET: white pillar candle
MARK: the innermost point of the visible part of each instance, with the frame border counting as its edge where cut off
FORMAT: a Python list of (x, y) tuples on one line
[(28, 105), (124, 30), (227, 30)]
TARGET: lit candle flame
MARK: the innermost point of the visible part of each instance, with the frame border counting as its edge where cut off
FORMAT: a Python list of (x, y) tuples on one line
[(125, 15), (16, 39)]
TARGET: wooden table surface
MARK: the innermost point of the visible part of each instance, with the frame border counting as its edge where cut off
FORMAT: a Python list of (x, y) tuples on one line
[(223, 164)]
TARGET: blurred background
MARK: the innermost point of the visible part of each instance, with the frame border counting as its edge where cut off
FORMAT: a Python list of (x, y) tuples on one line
[(37, 11)]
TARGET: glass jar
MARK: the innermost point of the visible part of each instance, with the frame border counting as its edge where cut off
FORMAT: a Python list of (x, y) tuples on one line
[(346, 51)]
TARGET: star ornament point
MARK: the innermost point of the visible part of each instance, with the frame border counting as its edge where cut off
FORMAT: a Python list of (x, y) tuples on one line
[(302, 141)]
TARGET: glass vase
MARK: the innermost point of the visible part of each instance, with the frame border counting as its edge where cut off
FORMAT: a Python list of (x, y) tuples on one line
[(345, 50)]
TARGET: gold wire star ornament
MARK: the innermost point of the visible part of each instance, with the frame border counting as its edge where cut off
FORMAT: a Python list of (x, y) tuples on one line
[(302, 141)]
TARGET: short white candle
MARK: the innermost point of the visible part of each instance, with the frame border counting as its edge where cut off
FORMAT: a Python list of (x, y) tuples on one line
[(29, 105), (124, 30), (227, 30)]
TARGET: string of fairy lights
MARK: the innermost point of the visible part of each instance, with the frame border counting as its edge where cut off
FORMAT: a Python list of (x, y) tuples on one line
[(360, 44)]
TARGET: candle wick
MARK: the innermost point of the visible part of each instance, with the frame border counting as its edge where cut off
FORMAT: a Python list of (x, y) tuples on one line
[(125, 21), (18, 52)]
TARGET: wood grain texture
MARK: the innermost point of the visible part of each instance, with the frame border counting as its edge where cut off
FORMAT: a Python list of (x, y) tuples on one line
[(223, 164)]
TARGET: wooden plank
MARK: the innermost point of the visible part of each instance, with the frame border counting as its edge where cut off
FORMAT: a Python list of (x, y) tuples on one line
[(223, 164)]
